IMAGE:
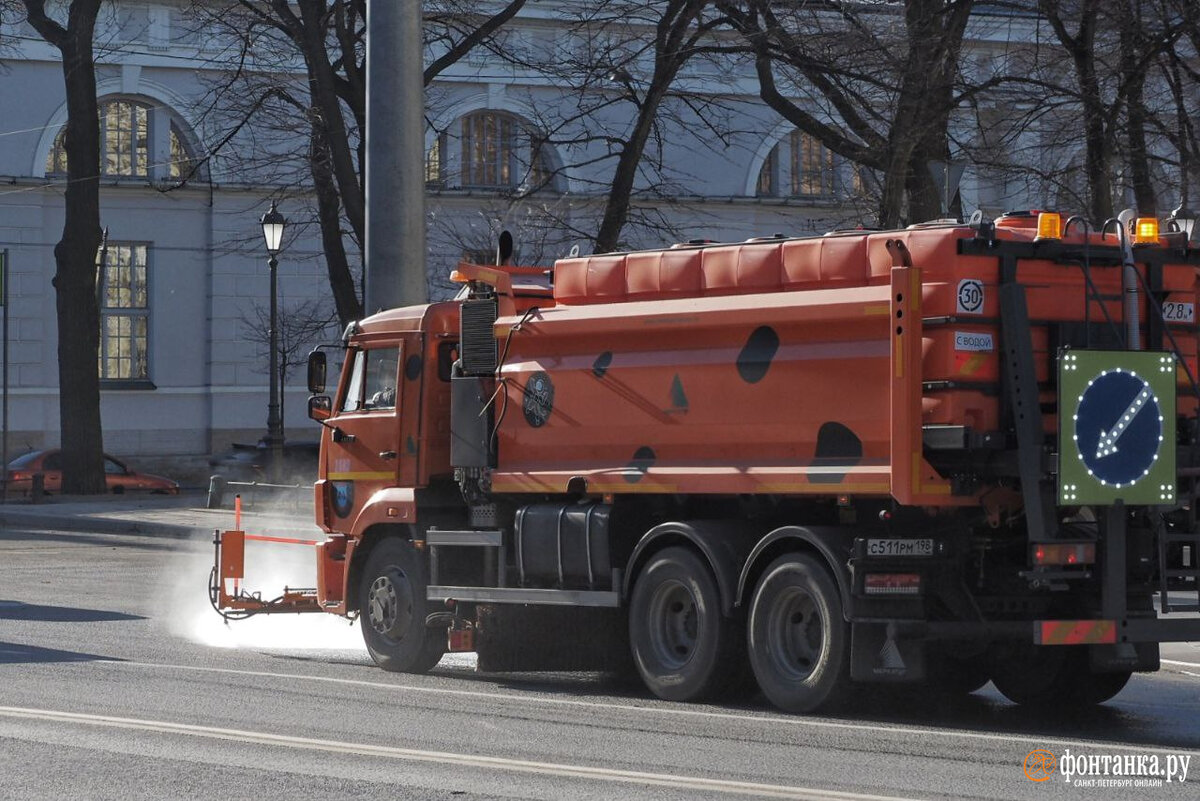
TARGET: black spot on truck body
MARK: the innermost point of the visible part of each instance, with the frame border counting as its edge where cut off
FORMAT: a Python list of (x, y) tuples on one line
[(643, 459), (412, 367), (837, 446), (601, 365), (679, 400), (757, 354)]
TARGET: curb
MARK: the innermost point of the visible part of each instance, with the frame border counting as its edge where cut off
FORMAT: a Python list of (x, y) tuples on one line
[(99, 525)]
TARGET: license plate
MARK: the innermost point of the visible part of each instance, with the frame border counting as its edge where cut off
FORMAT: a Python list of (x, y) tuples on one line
[(899, 547)]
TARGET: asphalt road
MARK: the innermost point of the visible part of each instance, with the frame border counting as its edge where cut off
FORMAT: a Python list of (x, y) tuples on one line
[(118, 681)]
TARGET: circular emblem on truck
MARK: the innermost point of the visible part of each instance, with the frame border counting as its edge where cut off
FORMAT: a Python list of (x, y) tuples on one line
[(343, 498), (539, 399)]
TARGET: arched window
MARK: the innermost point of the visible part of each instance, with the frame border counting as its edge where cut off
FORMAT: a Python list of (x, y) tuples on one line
[(131, 145), (182, 162), (490, 150), (799, 166)]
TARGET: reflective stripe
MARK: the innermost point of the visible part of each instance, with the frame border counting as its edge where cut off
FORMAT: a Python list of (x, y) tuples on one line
[(1075, 632), (382, 475)]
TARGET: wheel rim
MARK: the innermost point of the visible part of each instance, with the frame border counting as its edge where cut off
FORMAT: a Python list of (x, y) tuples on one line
[(389, 604), (795, 635), (674, 624)]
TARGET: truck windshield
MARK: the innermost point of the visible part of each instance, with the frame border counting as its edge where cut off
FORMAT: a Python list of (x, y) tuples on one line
[(372, 380)]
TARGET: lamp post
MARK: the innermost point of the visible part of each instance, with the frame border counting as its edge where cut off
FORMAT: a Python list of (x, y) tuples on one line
[(1183, 219), (273, 224)]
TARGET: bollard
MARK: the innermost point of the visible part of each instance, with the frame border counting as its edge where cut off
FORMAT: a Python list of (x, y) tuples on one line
[(37, 487), (216, 491)]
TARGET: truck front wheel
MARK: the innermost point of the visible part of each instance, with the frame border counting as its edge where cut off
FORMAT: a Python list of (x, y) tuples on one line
[(393, 608), (685, 649), (799, 642)]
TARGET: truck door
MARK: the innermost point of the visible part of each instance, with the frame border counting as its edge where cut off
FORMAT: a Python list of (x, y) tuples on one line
[(363, 447)]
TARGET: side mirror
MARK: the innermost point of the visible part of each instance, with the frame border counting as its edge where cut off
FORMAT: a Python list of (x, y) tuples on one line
[(316, 372), (320, 407)]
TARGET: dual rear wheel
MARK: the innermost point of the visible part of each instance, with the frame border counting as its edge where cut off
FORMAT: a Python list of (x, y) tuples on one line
[(686, 648)]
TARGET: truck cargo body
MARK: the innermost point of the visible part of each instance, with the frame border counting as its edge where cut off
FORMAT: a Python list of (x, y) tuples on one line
[(815, 461)]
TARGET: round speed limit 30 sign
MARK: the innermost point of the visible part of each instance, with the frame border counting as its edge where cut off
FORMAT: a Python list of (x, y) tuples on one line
[(970, 296)]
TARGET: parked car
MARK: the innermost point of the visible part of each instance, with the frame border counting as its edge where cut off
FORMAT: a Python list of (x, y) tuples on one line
[(117, 475), (245, 462)]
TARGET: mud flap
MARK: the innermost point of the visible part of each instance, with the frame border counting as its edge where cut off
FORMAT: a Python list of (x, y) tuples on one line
[(874, 656), (1140, 657)]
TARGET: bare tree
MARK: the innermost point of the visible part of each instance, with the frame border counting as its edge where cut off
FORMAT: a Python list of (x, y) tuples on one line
[(679, 34), (619, 81), (271, 40), (1113, 46), (875, 83), (75, 254), (301, 326), (1182, 79)]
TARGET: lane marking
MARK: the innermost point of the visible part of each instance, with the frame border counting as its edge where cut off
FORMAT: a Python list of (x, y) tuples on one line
[(1177, 662), (796, 722), (698, 783)]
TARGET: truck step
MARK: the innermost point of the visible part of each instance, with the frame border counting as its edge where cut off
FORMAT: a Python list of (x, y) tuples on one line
[(482, 538), (521, 595)]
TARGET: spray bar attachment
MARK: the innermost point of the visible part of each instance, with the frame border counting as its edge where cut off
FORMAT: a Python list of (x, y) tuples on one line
[(229, 569), (224, 586)]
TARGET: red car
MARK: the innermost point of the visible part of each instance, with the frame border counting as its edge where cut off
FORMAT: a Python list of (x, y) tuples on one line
[(49, 463)]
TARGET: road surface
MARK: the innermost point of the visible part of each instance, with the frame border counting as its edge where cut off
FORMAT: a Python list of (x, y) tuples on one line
[(118, 681)]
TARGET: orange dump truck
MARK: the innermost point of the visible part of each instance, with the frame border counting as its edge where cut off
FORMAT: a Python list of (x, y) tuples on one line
[(947, 454)]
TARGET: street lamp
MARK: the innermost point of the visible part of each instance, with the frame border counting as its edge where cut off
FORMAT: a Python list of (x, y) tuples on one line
[(1183, 219), (273, 224)]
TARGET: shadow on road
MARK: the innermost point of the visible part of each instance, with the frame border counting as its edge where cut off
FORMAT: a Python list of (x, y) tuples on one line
[(10, 610), (15, 653), (1166, 719), (112, 540), (1150, 715)]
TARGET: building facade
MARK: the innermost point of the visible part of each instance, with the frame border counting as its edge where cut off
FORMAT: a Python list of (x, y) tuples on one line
[(185, 280)]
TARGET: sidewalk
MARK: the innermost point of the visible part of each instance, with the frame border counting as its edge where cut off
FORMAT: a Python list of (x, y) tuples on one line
[(180, 516)]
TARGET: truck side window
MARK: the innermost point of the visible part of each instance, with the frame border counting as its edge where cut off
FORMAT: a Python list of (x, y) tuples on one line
[(447, 354), (372, 380), (353, 400)]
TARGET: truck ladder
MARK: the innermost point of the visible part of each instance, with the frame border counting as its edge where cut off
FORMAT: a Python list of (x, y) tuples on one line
[(1177, 577)]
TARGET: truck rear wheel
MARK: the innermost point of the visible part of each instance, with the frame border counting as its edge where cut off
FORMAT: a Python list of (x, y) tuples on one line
[(799, 642), (1054, 676), (393, 607), (685, 649)]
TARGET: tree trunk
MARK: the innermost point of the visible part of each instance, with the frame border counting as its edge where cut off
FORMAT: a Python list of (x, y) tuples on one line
[(616, 208), (327, 106), (82, 439), (672, 45), (1145, 198), (341, 280)]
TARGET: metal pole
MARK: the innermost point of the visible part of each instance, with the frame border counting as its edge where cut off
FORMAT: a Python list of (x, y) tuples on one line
[(274, 427), (395, 180), (4, 379)]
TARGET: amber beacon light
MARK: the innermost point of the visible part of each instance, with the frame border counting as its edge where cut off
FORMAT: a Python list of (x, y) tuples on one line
[(1145, 231), (1049, 225)]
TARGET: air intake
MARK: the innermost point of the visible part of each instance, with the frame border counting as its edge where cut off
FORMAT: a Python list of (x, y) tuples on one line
[(477, 342)]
